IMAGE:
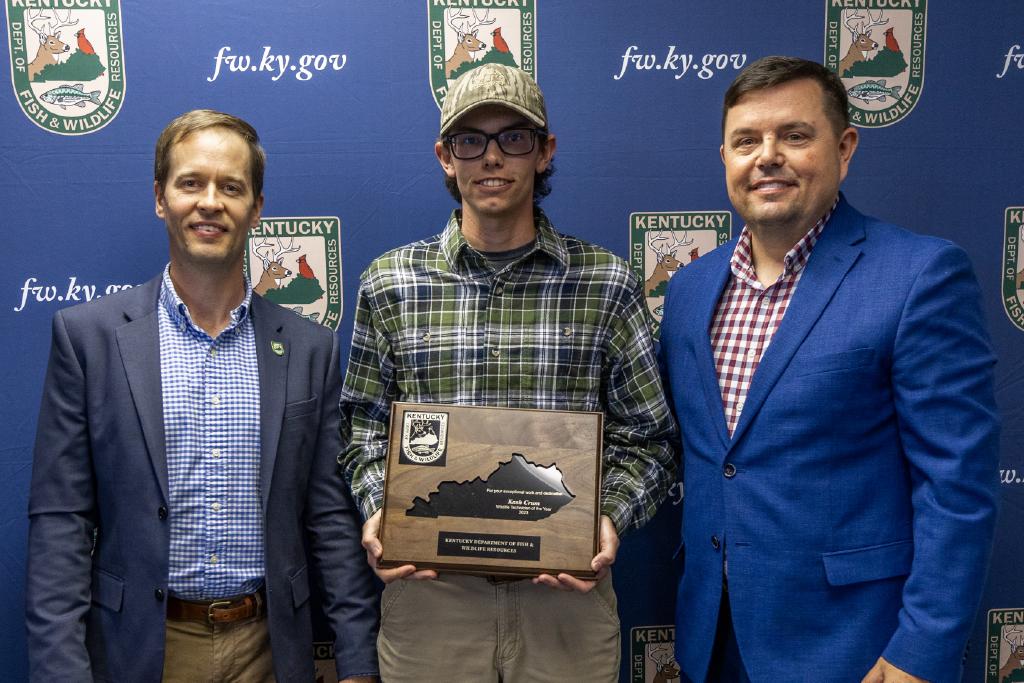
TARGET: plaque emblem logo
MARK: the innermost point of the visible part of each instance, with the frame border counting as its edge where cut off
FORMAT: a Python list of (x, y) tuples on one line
[(652, 654), (879, 54), (1004, 646), (67, 65), (477, 33), (662, 242), (296, 262), (1013, 266), (424, 439)]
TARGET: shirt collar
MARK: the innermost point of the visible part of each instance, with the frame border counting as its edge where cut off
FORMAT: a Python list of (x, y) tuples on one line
[(455, 247), (742, 263), (178, 311)]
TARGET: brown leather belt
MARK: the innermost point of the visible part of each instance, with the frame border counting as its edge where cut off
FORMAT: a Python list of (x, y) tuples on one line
[(218, 611)]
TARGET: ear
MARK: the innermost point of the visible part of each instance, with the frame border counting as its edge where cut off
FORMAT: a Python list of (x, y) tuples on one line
[(257, 211), (547, 153), (161, 200), (444, 157), (721, 153), (848, 140)]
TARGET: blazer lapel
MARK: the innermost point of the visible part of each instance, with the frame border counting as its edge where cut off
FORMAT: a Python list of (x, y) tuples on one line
[(833, 256), (138, 342), (706, 306), (273, 349)]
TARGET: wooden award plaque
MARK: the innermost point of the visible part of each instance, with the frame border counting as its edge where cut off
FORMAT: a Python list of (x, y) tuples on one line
[(493, 491)]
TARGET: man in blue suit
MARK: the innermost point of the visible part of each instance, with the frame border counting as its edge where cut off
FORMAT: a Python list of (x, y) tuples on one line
[(186, 459), (832, 378)]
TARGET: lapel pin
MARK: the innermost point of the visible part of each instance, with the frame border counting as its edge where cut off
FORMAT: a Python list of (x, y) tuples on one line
[(277, 347)]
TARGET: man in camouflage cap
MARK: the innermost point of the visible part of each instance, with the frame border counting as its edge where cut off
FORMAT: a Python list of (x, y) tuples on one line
[(500, 309)]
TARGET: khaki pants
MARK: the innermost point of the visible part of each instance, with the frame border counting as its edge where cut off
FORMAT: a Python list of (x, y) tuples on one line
[(466, 628), (205, 653)]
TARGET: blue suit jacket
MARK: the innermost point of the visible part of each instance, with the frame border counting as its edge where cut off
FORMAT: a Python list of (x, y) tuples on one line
[(100, 466), (859, 519)]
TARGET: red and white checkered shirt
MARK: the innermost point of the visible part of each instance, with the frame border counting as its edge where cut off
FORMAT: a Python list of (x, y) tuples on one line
[(749, 314)]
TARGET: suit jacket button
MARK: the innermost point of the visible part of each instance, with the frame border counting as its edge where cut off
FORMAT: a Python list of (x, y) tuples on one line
[(159, 594), (729, 470), (715, 543), (161, 512)]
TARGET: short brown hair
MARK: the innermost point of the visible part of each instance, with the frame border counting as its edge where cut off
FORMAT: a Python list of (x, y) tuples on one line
[(201, 119), (769, 72)]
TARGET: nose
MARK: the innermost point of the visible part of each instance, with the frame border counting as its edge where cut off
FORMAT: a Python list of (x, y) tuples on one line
[(770, 152), (209, 199), (493, 156)]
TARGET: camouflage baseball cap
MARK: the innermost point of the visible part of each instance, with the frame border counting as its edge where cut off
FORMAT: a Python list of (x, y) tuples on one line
[(493, 84)]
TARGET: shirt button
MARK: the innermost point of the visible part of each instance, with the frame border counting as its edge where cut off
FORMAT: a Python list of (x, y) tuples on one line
[(426, 336), (215, 400), (566, 331), (215, 452), (161, 512), (159, 594), (213, 558), (499, 290), (752, 354), (495, 352), (729, 470), (213, 351), (215, 507), (739, 407), (715, 543)]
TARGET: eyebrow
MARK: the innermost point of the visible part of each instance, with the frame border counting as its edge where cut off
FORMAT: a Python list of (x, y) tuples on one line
[(789, 125), (522, 123)]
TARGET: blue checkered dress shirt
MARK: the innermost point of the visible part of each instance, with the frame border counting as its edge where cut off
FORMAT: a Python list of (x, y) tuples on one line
[(211, 402)]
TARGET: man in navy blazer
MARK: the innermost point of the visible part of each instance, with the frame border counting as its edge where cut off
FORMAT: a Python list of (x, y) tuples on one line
[(832, 378), (186, 459)]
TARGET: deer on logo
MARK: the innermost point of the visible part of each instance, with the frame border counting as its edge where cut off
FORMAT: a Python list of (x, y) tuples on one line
[(1015, 638), (50, 43), (273, 264), (664, 249), (665, 663), (861, 35), (465, 33)]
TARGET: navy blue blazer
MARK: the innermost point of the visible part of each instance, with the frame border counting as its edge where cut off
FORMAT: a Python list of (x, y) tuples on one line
[(858, 519), (97, 611)]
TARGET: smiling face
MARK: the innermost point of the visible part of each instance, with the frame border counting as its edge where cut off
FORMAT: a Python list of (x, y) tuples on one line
[(207, 201), (496, 185), (783, 158)]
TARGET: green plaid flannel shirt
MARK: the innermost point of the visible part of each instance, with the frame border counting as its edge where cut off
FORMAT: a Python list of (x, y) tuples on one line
[(565, 328)]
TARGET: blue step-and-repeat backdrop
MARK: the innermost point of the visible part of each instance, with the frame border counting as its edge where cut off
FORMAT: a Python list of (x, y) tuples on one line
[(345, 95)]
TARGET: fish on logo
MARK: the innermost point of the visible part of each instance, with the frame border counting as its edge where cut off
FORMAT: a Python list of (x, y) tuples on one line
[(424, 438), (879, 54), (71, 96), (870, 91), (67, 65)]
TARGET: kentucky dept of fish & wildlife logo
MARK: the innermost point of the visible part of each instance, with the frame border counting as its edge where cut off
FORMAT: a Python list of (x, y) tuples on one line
[(1004, 646), (469, 33), (67, 65), (1013, 266), (296, 262), (878, 52), (662, 242), (652, 654), (424, 439)]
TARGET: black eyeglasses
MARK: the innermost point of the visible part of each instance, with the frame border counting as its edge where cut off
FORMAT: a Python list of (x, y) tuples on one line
[(513, 141)]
